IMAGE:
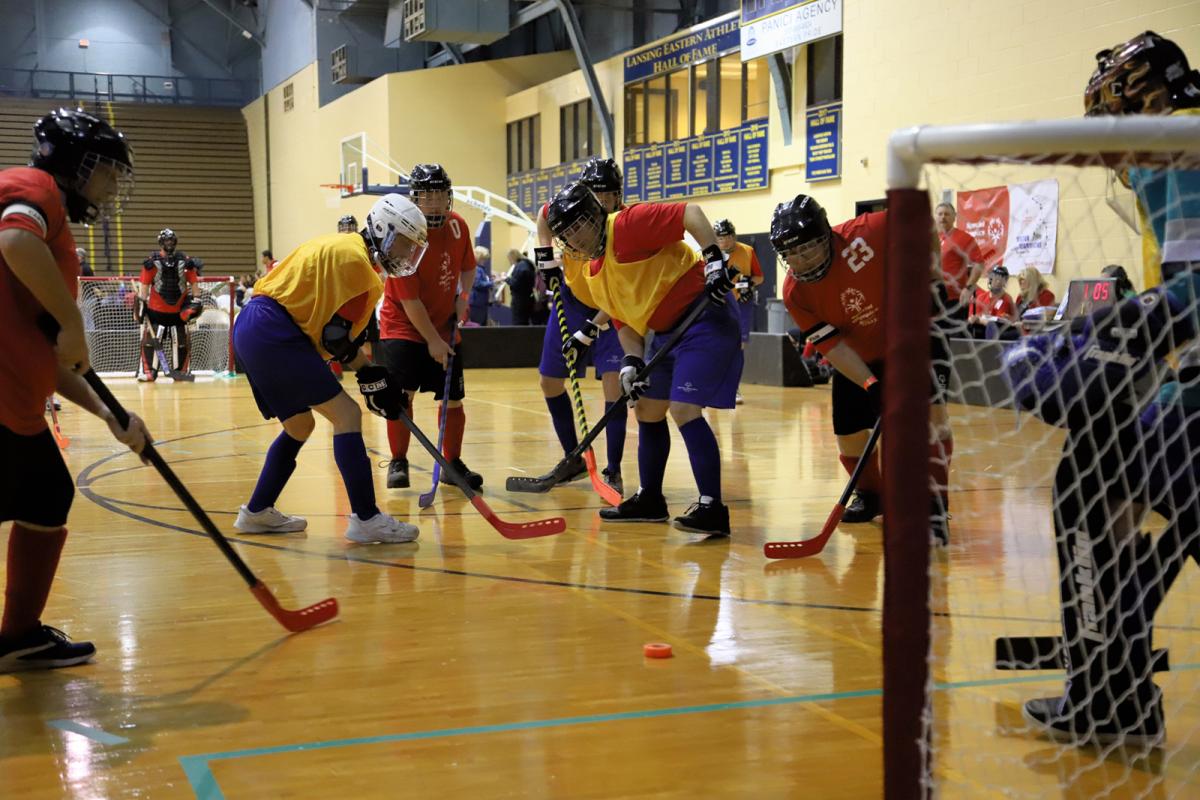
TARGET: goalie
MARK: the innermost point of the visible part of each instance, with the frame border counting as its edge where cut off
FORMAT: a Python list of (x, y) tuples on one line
[(1131, 443), (165, 300)]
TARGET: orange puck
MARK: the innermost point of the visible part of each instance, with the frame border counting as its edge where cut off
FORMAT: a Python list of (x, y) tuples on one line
[(657, 650)]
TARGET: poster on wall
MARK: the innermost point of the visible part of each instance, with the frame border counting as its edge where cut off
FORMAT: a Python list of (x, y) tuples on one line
[(769, 26), (1015, 225), (730, 161), (823, 142), (698, 43)]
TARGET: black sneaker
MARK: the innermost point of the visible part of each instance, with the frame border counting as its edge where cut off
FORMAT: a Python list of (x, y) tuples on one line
[(711, 518), (474, 479), (613, 478), (865, 507), (398, 474), (639, 508), (43, 648), (1135, 721)]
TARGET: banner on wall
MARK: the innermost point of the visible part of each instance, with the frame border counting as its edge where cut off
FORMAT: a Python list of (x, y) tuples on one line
[(699, 43), (730, 161), (531, 190), (1016, 225), (769, 26), (823, 142)]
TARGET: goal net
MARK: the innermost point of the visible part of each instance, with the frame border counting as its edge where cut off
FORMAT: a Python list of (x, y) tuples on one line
[(114, 338), (1057, 652)]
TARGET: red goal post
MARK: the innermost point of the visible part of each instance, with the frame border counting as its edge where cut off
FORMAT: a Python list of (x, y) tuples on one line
[(113, 337), (910, 755)]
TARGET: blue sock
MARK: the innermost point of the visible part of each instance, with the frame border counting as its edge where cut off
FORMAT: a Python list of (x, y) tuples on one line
[(705, 457), (564, 421), (350, 454), (654, 448), (279, 466), (615, 433)]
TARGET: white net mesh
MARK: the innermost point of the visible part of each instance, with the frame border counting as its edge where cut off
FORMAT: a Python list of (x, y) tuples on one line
[(114, 337), (1096, 473)]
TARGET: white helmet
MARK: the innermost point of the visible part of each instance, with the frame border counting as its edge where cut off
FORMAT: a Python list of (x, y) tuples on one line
[(395, 215)]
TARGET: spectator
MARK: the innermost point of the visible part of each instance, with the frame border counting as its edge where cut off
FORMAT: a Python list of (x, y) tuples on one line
[(521, 280), (1034, 291), (268, 261), (992, 313), (1124, 285), (481, 288), (85, 269), (962, 263)]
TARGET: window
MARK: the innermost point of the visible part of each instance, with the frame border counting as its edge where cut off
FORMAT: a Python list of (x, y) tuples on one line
[(730, 88), (703, 98), (825, 71), (579, 132), (678, 113), (289, 97), (635, 114), (758, 89), (656, 110), (524, 144)]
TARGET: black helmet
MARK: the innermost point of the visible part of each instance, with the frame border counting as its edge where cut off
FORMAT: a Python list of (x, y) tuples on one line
[(347, 224), (167, 240), (1000, 271), (1145, 75), (577, 220), (70, 145), (431, 178), (802, 222), (724, 227), (601, 175)]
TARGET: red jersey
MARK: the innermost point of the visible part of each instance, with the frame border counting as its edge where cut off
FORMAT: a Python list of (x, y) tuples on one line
[(1001, 306), (30, 200), (435, 283), (639, 232), (169, 278), (847, 304), (958, 248)]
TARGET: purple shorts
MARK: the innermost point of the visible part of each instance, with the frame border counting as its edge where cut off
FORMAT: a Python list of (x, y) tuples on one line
[(287, 374), (745, 313), (605, 353), (704, 368)]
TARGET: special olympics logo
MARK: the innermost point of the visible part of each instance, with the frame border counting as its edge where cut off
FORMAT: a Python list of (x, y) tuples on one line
[(995, 230), (853, 301)]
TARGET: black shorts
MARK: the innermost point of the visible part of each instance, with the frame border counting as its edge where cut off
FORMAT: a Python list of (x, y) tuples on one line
[(851, 410), (168, 319), (418, 372), (35, 486)]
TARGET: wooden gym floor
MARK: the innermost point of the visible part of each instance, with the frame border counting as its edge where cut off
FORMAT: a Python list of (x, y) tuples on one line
[(472, 666)]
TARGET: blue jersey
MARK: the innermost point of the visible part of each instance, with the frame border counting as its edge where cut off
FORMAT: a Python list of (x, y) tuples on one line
[(1170, 202)]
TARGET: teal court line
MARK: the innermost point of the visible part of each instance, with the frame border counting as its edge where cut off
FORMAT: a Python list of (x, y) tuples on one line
[(204, 783), (95, 734)]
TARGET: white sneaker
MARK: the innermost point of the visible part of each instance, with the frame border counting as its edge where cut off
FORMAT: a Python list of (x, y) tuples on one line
[(738, 399), (268, 521), (380, 529)]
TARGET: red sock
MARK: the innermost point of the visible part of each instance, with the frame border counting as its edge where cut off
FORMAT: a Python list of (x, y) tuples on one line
[(32, 562), (399, 435), (939, 467), (809, 349), (456, 423), (870, 480)]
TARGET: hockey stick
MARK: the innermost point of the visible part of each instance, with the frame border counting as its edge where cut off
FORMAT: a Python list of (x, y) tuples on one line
[(426, 499), (63, 441), (562, 470), (295, 621), (810, 547), (509, 530), (606, 492)]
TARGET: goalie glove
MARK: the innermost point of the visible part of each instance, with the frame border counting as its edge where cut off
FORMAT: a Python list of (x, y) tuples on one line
[(631, 385), (382, 396), (717, 283), (576, 347)]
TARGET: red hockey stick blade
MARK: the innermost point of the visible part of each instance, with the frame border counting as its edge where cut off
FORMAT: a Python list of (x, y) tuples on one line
[(63, 441), (299, 620), (607, 493), (519, 530), (809, 547)]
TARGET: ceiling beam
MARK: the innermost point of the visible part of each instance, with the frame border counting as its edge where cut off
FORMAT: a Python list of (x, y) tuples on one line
[(232, 20)]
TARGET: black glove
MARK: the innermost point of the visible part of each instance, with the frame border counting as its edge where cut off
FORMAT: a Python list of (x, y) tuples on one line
[(550, 267), (575, 347), (630, 384), (383, 396), (875, 397), (744, 289), (717, 283)]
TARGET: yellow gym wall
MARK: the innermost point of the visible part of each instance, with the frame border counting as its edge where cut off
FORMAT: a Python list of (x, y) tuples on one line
[(925, 62), (453, 115)]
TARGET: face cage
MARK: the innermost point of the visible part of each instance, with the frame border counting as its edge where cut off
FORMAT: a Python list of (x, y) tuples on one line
[(398, 267), (433, 218), (110, 207), (812, 274), (589, 233)]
